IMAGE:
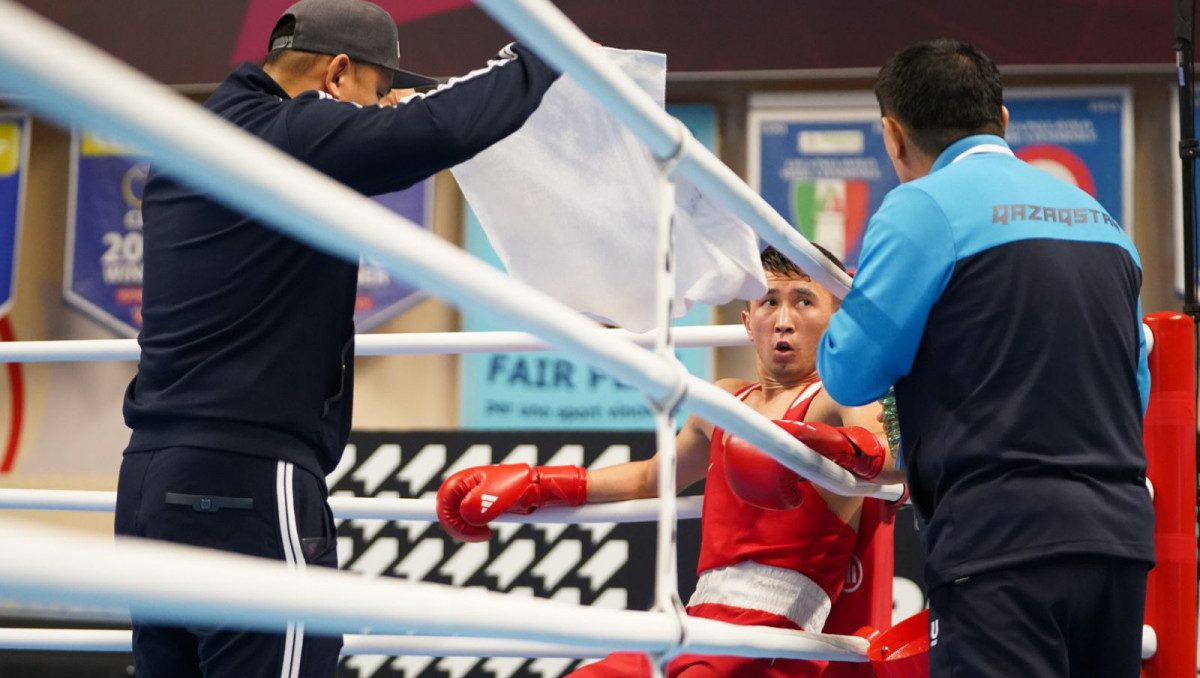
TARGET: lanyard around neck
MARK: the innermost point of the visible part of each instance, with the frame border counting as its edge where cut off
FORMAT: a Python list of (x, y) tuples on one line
[(982, 148)]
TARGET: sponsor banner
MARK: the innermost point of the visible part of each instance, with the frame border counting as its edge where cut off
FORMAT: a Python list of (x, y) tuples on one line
[(380, 296), (103, 270), (14, 155), (820, 161), (103, 267), (602, 564), (525, 391)]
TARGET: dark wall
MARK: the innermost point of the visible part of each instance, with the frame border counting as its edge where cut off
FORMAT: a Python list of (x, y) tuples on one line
[(193, 41), (176, 42)]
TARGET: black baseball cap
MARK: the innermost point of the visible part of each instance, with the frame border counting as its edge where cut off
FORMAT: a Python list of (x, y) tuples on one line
[(361, 30)]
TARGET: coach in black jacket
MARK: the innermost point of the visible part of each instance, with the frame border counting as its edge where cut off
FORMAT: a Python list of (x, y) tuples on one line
[(242, 400)]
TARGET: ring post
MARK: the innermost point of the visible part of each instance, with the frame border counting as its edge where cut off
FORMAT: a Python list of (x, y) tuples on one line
[(1170, 440)]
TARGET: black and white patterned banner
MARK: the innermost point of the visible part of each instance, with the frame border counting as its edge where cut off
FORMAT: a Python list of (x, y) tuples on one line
[(605, 564)]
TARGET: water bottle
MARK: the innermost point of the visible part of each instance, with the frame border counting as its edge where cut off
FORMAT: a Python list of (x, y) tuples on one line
[(891, 421)]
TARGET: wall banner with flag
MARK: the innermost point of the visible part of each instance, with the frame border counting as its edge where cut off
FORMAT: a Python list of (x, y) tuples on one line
[(527, 391), (14, 154), (380, 296), (103, 268), (820, 161)]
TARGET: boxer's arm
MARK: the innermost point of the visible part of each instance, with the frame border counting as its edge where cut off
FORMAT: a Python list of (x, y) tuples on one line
[(639, 479)]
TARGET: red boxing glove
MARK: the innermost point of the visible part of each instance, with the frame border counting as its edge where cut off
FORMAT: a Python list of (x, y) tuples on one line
[(852, 447), (759, 480), (468, 500)]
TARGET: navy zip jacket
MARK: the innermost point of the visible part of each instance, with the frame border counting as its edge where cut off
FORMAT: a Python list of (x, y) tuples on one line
[(1003, 304), (248, 336)]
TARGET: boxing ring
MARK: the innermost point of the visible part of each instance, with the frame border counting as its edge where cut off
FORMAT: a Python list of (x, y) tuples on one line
[(73, 83)]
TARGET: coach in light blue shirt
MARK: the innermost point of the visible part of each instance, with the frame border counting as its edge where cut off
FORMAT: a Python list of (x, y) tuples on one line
[(1003, 305)]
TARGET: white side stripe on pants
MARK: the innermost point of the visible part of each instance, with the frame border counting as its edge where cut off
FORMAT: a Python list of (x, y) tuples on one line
[(294, 556)]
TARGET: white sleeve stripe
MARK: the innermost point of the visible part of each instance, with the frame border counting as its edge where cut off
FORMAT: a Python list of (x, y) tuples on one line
[(505, 57)]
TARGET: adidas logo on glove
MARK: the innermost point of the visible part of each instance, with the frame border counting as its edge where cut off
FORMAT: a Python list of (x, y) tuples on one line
[(486, 501)]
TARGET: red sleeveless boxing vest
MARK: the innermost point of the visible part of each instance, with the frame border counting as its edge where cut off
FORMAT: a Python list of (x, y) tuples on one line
[(763, 559)]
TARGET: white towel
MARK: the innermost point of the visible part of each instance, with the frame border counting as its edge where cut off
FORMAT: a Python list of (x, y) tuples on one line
[(569, 204)]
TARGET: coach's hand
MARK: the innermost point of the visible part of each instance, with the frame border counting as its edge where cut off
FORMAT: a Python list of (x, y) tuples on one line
[(468, 500), (395, 96)]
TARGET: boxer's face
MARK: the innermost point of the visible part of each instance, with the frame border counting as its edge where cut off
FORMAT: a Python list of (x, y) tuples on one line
[(786, 323)]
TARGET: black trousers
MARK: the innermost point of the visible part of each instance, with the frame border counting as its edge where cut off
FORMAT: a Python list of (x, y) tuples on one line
[(1077, 617), (239, 503)]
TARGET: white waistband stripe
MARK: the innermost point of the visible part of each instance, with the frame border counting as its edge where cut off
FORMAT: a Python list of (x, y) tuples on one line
[(754, 586)]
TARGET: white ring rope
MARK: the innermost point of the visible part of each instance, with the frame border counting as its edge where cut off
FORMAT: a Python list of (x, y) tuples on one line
[(372, 508), (427, 343), (73, 82), (104, 640), (169, 583), (116, 640), (203, 587)]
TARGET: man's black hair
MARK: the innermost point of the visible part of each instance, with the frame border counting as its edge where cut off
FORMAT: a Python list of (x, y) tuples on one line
[(773, 261), (941, 90)]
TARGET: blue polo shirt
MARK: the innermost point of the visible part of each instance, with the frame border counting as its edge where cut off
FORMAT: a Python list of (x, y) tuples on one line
[(1003, 305)]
